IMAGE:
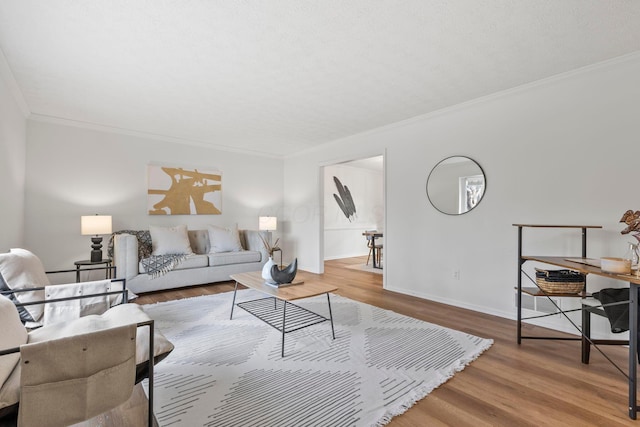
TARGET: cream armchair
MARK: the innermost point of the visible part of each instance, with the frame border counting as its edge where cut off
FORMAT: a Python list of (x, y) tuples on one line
[(85, 366), (69, 364)]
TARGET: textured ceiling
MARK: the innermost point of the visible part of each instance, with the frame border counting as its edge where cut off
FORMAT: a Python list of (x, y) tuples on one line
[(282, 76)]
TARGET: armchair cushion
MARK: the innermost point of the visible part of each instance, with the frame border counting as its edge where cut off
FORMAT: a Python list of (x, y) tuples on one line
[(13, 335), (10, 395), (22, 312), (22, 269), (119, 315)]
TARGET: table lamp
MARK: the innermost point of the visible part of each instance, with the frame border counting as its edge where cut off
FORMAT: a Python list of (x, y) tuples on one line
[(268, 223), (95, 225)]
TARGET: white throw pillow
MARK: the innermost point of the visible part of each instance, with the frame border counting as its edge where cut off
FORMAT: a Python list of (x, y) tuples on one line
[(13, 335), (170, 240), (21, 269), (224, 239)]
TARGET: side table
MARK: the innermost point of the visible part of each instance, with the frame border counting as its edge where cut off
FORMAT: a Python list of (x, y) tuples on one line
[(88, 263)]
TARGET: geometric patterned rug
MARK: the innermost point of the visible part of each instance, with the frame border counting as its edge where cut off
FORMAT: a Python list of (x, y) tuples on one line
[(230, 372)]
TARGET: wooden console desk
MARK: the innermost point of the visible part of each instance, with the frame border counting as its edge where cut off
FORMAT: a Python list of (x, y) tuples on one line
[(634, 284), (563, 262)]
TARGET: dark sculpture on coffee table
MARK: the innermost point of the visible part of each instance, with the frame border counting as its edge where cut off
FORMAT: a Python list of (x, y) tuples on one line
[(286, 275)]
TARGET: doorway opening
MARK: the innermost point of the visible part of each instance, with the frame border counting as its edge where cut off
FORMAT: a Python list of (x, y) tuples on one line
[(353, 204)]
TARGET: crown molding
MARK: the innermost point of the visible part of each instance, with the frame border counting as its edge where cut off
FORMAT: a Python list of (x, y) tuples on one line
[(7, 76), (633, 56), (147, 135)]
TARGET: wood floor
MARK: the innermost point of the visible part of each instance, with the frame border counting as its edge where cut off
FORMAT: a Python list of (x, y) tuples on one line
[(539, 383)]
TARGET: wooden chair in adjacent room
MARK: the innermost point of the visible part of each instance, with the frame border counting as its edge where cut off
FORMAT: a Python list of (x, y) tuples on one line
[(377, 248)]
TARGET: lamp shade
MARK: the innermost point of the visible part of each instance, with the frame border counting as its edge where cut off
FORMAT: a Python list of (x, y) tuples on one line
[(268, 223), (95, 224)]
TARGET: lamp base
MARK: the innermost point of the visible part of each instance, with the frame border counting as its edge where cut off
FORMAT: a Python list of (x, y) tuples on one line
[(96, 253)]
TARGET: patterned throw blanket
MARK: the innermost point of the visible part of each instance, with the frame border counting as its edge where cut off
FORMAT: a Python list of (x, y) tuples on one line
[(154, 265), (158, 265)]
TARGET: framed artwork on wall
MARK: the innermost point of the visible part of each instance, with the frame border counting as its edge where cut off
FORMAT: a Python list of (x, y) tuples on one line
[(183, 191)]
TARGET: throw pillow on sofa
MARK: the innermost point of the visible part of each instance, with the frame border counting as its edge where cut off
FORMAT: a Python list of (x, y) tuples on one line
[(224, 239), (170, 240)]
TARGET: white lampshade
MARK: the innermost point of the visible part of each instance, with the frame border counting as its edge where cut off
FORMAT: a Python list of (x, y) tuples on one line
[(268, 223), (95, 224)]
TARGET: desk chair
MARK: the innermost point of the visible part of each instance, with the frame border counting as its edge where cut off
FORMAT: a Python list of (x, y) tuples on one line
[(590, 307), (613, 304)]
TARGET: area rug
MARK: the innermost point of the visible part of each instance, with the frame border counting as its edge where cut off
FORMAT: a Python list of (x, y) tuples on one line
[(230, 372), (364, 267)]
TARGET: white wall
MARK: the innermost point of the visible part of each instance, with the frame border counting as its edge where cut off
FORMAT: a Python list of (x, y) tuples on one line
[(565, 150), (343, 237), (74, 171), (12, 167)]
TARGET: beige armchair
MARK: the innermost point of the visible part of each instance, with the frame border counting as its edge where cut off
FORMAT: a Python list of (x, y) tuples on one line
[(73, 365), (67, 371)]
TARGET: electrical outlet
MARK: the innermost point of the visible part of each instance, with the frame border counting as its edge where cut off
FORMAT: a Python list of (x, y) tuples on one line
[(456, 274)]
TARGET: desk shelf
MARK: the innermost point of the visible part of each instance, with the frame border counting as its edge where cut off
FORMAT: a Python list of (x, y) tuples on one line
[(557, 261), (536, 292)]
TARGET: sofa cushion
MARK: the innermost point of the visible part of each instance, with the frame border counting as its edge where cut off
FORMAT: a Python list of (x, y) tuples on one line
[(224, 239), (22, 269), (170, 240), (199, 240), (229, 258), (192, 261)]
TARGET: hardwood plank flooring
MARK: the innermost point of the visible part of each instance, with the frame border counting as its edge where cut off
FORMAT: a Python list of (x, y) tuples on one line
[(539, 383)]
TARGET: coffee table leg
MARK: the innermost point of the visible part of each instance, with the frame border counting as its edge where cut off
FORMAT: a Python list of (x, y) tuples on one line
[(284, 317), (333, 333), (233, 303)]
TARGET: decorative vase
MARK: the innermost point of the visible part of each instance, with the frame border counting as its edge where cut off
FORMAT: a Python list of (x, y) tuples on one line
[(266, 271), (633, 256)]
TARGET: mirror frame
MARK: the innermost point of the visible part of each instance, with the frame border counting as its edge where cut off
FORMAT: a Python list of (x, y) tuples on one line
[(439, 209)]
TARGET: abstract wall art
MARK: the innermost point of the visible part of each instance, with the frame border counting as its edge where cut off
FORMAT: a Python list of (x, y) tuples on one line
[(183, 191), (344, 200)]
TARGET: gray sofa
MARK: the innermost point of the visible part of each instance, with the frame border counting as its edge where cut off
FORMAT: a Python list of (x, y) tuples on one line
[(200, 268)]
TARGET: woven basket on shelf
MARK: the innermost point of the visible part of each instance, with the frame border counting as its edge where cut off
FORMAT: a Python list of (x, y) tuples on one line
[(560, 281)]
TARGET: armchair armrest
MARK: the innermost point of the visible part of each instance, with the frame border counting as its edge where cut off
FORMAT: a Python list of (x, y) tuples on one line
[(98, 297), (124, 292)]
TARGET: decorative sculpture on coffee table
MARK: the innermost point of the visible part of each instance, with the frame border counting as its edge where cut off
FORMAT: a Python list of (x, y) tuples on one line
[(286, 275)]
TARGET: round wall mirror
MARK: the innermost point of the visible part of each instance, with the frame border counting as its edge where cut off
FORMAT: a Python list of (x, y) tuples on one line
[(456, 185)]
